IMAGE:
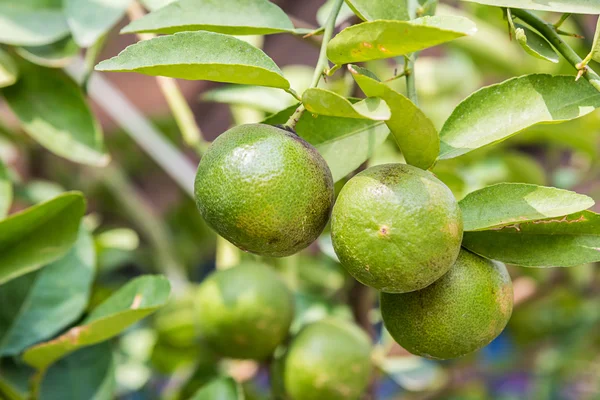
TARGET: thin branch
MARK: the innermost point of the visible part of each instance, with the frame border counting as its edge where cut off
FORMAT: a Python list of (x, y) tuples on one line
[(140, 212), (132, 120), (549, 32), (409, 73), (190, 131)]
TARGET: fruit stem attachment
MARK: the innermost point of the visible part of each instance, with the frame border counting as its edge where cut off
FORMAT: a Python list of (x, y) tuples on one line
[(549, 31), (322, 66)]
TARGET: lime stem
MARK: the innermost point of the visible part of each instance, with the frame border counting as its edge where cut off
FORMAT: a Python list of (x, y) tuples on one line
[(409, 73), (322, 63), (550, 33)]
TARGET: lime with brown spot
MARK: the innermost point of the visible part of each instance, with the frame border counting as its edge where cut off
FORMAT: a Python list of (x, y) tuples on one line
[(396, 228), (328, 360), (461, 312), (244, 312), (264, 189)]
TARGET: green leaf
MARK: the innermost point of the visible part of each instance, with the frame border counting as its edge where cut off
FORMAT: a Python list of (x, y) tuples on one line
[(233, 17), (46, 301), (385, 39), (369, 10), (557, 242), (134, 301), (199, 56), (559, 6), (345, 143), (6, 191), (86, 374), (220, 389), (54, 55), (326, 102), (90, 19), (500, 111), (39, 235), (9, 72), (53, 111), (31, 23), (509, 203), (414, 132), (535, 44)]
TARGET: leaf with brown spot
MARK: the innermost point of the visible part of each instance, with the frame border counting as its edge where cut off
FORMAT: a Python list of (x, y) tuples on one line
[(555, 242), (110, 318)]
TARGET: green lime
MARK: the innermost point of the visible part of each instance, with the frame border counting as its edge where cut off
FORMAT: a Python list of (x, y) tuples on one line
[(396, 228), (244, 312), (461, 312), (328, 360), (264, 189)]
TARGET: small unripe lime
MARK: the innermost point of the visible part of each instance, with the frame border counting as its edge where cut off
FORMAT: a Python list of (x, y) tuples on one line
[(396, 228), (461, 312), (244, 312), (264, 189), (328, 360)]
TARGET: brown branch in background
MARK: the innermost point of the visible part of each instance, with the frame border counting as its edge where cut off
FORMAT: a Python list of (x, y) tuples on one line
[(183, 114)]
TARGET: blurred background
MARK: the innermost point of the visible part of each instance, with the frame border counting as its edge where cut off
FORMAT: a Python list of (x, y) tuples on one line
[(146, 223)]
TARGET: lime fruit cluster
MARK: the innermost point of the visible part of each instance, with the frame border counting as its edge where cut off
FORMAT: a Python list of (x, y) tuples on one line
[(399, 229), (460, 313), (244, 312), (328, 360), (264, 189), (396, 228)]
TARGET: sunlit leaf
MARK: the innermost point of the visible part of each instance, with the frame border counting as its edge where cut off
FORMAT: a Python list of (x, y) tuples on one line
[(414, 132), (199, 56), (559, 6), (233, 17), (345, 143), (510, 203), (134, 301), (46, 301), (497, 112), (556, 242), (369, 10), (54, 55), (30, 23), (90, 19), (39, 235), (8, 70), (86, 374), (325, 102), (386, 39), (534, 44), (53, 111)]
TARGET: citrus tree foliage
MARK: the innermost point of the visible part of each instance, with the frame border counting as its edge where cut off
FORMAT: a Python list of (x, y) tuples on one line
[(476, 106)]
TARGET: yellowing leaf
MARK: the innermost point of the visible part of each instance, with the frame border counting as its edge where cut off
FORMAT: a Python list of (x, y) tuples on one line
[(386, 39)]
